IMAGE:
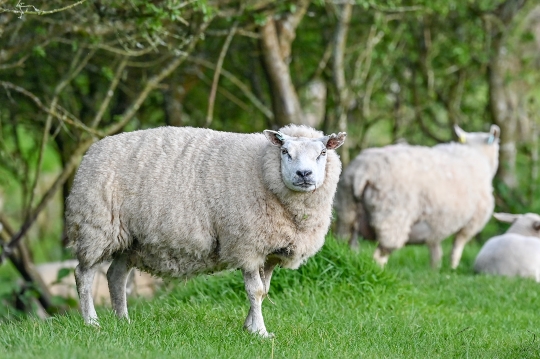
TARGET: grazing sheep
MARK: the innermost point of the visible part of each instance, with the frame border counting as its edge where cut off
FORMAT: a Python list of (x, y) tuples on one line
[(402, 194), (183, 201), (514, 253), (138, 283)]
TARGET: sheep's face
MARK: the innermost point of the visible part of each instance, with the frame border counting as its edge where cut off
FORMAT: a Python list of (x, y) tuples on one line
[(478, 138), (303, 160), (527, 224)]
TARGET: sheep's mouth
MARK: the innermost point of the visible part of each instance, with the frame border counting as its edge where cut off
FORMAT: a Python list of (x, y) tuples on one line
[(304, 184)]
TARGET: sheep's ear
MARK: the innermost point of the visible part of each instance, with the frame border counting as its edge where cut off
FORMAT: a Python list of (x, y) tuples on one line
[(494, 133), (506, 217), (275, 138), (333, 141), (462, 135)]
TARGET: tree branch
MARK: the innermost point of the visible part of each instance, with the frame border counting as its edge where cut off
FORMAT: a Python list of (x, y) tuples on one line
[(217, 72), (39, 104), (285, 100), (71, 164), (110, 93), (20, 9), (75, 70), (244, 88)]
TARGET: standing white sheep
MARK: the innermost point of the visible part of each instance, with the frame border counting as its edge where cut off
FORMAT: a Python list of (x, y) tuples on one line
[(183, 201), (413, 194), (514, 253)]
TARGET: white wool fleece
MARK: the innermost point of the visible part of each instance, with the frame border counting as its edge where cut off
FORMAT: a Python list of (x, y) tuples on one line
[(182, 201)]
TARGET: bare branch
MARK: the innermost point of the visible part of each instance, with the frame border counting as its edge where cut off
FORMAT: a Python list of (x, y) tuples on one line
[(110, 93), (37, 101), (241, 32), (323, 62), (114, 50), (217, 72), (66, 172), (402, 9), (75, 69), (243, 87), (21, 9), (153, 82), (19, 63), (287, 28), (244, 106)]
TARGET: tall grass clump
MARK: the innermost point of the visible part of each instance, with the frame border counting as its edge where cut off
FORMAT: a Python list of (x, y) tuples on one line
[(334, 269)]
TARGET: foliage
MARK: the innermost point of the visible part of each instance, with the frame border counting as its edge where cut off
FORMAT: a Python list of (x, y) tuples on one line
[(413, 69)]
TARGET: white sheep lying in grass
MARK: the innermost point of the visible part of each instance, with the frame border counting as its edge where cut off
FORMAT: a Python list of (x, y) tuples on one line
[(183, 201), (138, 283), (514, 253), (413, 194)]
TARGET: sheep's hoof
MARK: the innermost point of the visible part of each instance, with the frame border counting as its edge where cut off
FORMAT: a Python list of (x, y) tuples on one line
[(261, 332), (266, 335), (355, 247), (93, 322)]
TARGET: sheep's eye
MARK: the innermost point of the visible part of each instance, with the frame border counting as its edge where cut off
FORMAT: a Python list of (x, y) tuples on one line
[(323, 153), (284, 151)]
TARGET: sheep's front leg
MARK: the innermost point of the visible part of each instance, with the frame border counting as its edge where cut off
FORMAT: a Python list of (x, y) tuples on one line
[(255, 289), (117, 279)]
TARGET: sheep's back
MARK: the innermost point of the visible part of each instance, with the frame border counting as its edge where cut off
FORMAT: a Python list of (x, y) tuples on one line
[(166, 189), (510, 255), (442, 185)]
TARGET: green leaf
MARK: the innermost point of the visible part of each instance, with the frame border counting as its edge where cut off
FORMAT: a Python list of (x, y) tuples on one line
[(39, 51), (107, 72), (62, 273)]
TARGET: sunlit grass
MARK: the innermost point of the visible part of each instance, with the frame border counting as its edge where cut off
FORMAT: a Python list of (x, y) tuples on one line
[(339, 305)]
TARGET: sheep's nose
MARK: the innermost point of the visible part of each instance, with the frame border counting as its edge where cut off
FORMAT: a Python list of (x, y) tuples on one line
[(304, 174)]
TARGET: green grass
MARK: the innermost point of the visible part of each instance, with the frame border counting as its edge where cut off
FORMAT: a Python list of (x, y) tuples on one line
[(339, 305)]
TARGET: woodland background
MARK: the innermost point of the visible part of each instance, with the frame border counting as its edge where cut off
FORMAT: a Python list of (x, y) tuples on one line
[(383, 71)]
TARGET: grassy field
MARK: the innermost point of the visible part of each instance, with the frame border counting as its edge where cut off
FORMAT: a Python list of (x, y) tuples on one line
[(339, 305)]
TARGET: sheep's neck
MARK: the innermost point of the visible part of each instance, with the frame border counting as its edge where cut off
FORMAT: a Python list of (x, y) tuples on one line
[(492, 154)]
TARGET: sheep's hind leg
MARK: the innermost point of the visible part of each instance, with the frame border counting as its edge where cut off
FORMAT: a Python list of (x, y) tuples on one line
[(381, 255), (435, 251), (391, 233), (457, 249), (353, 242), (84, 277), (117, 279), (266, 273), (255, 289)]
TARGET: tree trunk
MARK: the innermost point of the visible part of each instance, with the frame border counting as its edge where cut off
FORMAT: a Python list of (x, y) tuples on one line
[(503, 103), (285, 103), (503, 113), (338, 70), (313, 99), (20, 259), (275, 44)]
